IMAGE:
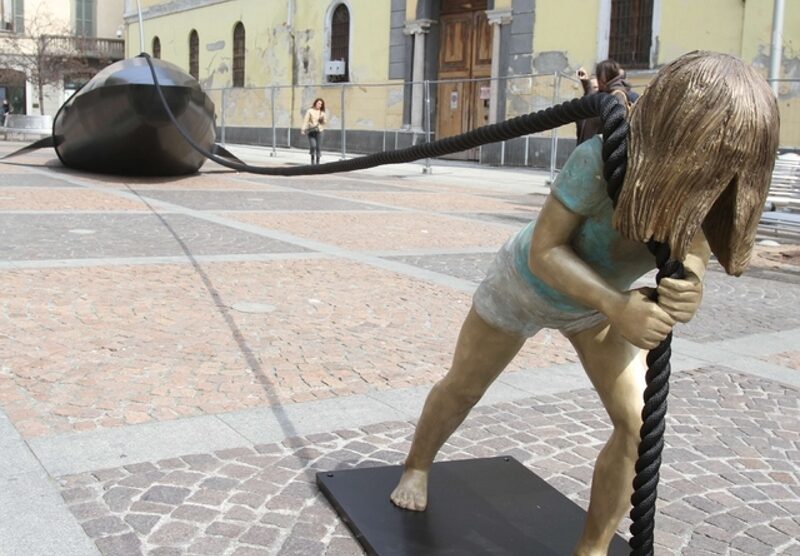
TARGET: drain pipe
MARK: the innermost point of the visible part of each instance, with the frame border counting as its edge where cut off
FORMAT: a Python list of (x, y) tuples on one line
[(141, 26), (777, 45), (290, 7)]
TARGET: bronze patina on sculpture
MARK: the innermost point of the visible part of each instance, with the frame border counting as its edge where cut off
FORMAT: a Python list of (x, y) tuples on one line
[(701, 146)]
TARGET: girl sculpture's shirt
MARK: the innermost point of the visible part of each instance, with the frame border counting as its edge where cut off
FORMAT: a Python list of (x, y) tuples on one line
[(580, 187)]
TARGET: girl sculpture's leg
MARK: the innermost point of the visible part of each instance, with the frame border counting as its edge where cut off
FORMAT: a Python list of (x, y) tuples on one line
[(617, 370), (482, 352)]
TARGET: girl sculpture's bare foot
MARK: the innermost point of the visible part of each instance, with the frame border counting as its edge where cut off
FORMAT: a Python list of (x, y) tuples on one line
[(411, 493)]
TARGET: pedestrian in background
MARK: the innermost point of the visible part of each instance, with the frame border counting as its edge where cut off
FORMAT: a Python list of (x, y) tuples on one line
[(610, 79), (589, 88), (313, 126), (6, 111)]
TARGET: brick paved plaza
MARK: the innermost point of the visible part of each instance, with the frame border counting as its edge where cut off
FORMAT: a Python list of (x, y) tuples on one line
[(178, 357)]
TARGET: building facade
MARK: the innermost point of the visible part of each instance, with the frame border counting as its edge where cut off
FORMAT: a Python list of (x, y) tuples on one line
[(392, 70), (49, 48)]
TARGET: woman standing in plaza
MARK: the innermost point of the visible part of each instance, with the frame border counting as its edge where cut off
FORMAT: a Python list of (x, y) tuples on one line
[(313, 126)]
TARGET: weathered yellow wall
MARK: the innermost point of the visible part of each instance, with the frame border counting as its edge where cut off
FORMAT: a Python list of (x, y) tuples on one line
[(269, 40), (756, 46), (757, 35), (265, 56), (569, 27), (743, 29), (269, 62), (688, 25)]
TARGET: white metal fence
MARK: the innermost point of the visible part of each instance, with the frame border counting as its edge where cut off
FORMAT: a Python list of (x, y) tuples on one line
[(372, 117)]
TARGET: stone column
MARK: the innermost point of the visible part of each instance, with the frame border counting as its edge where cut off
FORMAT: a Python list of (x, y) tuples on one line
[(418, 29), (496, 19)]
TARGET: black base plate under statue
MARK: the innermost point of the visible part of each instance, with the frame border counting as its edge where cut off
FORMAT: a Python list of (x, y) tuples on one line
[(475, 507)]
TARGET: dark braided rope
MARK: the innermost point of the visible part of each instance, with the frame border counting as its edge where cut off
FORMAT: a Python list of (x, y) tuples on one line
[(651, 445), (645, 483)]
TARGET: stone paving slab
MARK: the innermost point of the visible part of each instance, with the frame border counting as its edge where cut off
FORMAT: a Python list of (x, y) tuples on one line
[(435, 201), (29, 504), (27, 179), (516, 220), (71, 236), (160, 342), (730, 479), (377, 231), (45, 157), (63, 199), (222, 181), (472, 266), (528, 200), (256, 200), (328, 183), (790, 359), (734, 307)]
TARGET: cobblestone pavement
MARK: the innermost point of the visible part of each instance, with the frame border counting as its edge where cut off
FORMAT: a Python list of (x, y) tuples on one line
[(729, 485), (178, 357)]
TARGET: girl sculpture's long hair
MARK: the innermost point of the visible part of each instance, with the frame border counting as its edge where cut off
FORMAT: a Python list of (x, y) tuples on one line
[(701, 149)]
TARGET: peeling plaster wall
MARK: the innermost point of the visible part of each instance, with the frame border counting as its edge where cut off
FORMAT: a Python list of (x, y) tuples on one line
[(756, 46), (688, 25), (565, 35), (214, 25), (277, 55)]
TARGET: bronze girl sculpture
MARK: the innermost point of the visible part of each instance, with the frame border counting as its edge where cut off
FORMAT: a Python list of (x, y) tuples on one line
[(701, 148)]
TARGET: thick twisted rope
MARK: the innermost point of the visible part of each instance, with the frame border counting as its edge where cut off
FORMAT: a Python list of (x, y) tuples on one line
[(615, 155), (645, 483)]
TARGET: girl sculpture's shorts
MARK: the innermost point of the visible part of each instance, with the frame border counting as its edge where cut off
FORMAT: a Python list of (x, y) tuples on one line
[(507, 301)]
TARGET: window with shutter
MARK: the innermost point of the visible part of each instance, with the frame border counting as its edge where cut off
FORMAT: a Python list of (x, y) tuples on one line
[(18, 8), (84, 18), (238, 55), (340, 41), (631, 32), (194, 54)]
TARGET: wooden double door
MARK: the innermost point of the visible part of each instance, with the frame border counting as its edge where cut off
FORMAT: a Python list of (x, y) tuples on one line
[(465, 57)]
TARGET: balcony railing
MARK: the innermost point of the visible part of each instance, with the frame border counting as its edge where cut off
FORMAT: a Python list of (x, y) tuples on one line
[(90, 47)]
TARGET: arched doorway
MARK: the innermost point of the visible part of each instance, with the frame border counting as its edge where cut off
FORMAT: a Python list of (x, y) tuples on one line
[(465, 57)]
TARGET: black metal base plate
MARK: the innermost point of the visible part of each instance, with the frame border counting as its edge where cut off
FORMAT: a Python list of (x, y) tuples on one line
[(476, 507)]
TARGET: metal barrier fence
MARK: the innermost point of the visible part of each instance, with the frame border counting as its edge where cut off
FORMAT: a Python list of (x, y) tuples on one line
[(370, 117)]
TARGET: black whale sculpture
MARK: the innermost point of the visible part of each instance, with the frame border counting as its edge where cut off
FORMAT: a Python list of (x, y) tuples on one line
[(116, 123)]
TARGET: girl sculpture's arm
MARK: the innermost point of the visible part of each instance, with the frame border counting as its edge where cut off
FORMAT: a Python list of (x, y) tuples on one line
[(641, 321)]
